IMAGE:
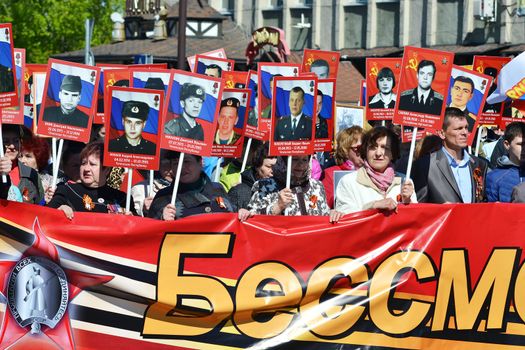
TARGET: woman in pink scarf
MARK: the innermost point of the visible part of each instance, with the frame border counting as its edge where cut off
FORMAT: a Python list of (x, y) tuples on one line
[(347, 157), (375, 185)]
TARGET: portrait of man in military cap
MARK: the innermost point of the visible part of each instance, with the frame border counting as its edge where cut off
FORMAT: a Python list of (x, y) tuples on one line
[(134, 119), (192, 97), (297, 126), (228, 118), (69, 96), (423, 98)]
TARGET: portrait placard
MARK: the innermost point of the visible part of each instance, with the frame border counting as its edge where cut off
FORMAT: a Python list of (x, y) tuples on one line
[(348, 115), (15, 115), (324, 122), (219, 53), (425, 75), (362, 93), (30, 112), (133, 128), (468, 91), (382, 80), (293, 116), (99, 116), (69, 103), (8, 85), (490, 65), (510, 114), (39, 84), (213, 66), (112, 77), (408, 131), (265, 74), (235, 79), (231, 122), (190, 120), (252, 129), (323, 63)]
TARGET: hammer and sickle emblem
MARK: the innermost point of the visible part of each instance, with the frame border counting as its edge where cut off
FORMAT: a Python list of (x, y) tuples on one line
[(480, 67), (412, 64), (374, 71)]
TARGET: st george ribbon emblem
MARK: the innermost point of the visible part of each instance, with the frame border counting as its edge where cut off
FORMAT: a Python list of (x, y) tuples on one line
[(37, 293)]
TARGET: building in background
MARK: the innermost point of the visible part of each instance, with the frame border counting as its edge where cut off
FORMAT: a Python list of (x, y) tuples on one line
[(357, 28)]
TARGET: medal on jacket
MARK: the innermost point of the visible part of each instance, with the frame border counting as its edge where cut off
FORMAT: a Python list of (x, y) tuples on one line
[(220, 202), (313, 200), (25, 195), (88, 202)]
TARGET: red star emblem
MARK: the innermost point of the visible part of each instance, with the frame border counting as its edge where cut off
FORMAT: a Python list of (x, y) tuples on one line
[(62, 334)]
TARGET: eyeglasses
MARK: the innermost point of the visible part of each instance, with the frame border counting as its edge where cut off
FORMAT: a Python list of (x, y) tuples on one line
[(356, 149)]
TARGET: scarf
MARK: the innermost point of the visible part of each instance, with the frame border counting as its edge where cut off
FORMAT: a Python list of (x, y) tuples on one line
[(381, 180), (348, 165)]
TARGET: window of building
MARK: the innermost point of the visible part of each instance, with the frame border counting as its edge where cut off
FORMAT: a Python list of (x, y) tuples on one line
[(449, 25), (301, 34), (387, 24), (355, 26), (272, 18)]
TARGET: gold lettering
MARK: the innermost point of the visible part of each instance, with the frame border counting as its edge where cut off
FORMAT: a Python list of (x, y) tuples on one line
[(263, 292), (382, 287), (168, 315), (454, 280), (334, 316)]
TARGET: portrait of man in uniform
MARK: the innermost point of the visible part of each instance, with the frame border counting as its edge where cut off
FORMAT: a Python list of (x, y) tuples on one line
[(461, 93), (321, 126), (423, 98), (321, 68), (134, 119), (7, 79), (69, 96), (296, 126), (192, 97), (213, 70), (228, 118), (267, 111)]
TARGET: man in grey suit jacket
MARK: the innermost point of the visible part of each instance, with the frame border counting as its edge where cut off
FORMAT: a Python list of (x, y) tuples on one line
[(451, 175)]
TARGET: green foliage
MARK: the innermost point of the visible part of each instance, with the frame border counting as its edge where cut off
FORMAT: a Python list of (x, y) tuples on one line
[(48, 27)]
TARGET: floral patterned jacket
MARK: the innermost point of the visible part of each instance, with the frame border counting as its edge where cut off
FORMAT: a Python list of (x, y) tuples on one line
[(266, 194)]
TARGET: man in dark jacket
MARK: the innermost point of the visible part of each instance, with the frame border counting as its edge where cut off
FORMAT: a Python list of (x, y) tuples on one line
[(196, 193), (501, 180)]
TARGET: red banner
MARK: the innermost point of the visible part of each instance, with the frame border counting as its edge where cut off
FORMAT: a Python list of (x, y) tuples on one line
[(427, 277)]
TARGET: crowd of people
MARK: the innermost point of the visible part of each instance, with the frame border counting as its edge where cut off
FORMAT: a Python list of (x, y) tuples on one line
[(366, 170)]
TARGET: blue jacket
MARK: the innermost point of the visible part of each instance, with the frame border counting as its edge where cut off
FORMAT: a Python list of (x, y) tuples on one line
[(501, 180)]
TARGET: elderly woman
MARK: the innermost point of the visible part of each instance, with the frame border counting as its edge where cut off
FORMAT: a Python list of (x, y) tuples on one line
[(262, 168), (347, 157), (91, 194), (375, 185), (305, 197)]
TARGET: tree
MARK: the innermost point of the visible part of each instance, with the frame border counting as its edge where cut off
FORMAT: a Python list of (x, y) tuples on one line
[(48, 27)]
